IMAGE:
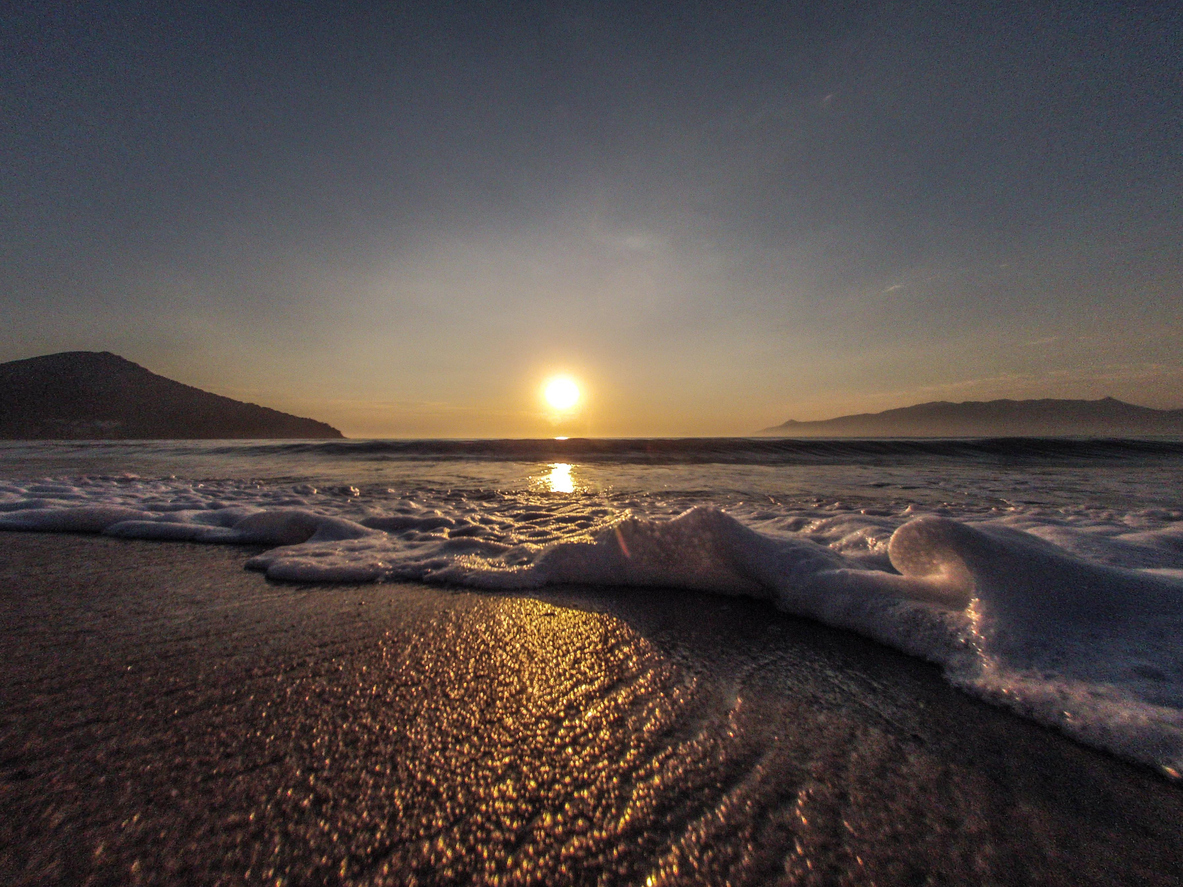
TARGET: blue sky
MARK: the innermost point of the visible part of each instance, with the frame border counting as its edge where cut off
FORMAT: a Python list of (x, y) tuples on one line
[(716, 216)]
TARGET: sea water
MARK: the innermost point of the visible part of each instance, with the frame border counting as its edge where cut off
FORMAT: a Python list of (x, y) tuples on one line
[(1044, 576)]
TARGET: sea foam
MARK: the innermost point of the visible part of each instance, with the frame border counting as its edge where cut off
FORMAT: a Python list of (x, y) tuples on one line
[(1073, 620)]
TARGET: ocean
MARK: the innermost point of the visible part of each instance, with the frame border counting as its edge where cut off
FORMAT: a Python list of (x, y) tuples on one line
[(1044, 576)]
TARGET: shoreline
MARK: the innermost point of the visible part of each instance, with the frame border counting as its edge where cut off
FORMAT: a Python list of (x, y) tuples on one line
[(168, 715)]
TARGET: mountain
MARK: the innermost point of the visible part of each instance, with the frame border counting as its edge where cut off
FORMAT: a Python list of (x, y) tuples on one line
[(996, 418), (92, 395)]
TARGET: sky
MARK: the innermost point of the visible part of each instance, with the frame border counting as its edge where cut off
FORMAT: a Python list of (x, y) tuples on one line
[(403, 218)]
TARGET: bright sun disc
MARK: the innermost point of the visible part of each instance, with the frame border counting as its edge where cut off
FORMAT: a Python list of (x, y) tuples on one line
[(561, 393)]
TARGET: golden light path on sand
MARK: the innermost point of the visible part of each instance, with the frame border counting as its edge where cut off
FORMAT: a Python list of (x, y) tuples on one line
[(399, 734)]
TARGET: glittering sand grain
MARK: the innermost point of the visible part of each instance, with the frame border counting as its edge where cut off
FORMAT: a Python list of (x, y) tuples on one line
[(167, 717)]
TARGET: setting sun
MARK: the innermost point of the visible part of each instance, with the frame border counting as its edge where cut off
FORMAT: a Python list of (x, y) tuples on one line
[(561, 393)]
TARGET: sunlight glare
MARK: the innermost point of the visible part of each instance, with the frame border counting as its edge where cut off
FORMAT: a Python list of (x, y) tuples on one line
[(561, 393), (559, 480)]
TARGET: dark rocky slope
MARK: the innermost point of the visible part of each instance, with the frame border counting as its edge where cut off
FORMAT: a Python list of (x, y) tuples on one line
[(90, 395)]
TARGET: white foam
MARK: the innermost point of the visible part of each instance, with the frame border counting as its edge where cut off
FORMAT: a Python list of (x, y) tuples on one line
[(1071, 617), (71, 519)]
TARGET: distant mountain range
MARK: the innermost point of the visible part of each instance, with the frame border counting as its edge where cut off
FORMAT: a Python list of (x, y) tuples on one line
[(997, 418), (93, 395)]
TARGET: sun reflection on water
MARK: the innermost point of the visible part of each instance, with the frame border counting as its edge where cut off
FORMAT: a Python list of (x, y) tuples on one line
[(559, 480)]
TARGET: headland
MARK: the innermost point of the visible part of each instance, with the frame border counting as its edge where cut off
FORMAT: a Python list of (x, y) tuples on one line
[(92, 395)]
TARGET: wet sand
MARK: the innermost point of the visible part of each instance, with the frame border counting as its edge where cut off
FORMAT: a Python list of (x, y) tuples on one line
[(167, 717)]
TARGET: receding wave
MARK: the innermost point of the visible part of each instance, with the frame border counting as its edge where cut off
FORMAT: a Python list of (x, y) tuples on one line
[(1070, 618)]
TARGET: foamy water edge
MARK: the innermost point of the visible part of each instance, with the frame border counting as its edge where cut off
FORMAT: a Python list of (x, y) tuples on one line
[(1075, 626)]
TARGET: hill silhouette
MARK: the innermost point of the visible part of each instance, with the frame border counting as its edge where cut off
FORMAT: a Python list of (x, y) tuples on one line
[(96, 395), (1107, 417)]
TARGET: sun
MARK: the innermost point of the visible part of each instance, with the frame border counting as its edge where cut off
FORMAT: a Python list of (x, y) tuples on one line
[(561, 393)]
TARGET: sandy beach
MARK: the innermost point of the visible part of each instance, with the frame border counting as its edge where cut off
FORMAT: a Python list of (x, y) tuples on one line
[(168, 717)]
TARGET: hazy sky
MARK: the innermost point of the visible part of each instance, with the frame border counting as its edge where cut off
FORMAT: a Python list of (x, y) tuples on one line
[(403, 218)]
